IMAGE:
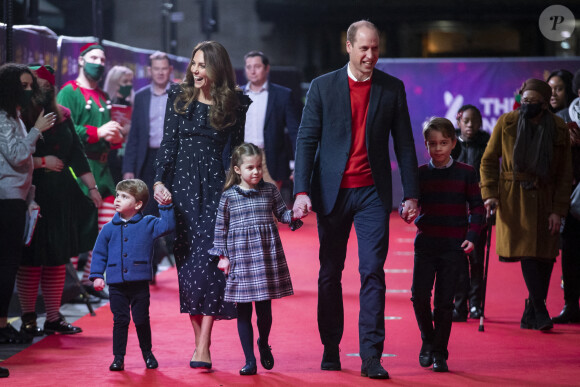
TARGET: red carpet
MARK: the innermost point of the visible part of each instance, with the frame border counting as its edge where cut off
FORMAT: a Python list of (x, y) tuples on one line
[(502, 355)]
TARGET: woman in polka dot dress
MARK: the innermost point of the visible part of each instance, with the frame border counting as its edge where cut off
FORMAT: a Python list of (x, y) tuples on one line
[(204, 121)]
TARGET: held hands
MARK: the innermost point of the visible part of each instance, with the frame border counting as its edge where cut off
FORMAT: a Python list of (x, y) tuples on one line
[(45, 121), (302, 206), (467, 246), (99, 284), (224, 264), (554, 223), (490, 206), (161, 194), (409, 210), (112, 132)]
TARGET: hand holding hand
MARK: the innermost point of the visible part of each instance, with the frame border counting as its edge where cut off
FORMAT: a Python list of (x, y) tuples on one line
[(467, 246), (224, 264), (99, 284), (302, 206), (410, 210), (128, 175), (45, 121), (162, 194)]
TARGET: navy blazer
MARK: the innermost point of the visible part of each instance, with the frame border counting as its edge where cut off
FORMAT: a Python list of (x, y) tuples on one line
[(124, 250), (324, 139), (138, 142), (281, 113)]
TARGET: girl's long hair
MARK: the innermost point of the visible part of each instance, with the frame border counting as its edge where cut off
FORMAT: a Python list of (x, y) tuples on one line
[(246, 149), (220, 72)]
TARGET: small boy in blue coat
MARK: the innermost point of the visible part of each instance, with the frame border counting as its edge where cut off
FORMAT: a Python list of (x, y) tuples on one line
[(124, 251)]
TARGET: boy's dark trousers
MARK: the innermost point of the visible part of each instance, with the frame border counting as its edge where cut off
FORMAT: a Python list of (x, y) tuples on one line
[(470, 280), (126, 299), (435, 329)]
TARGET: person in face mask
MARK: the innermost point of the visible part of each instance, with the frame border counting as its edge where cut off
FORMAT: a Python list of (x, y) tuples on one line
[(64, 228), (530, 190), (119, 86), (90, 111)]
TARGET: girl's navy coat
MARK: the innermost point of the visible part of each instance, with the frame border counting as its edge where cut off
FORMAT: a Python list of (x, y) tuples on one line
[(124, 250)]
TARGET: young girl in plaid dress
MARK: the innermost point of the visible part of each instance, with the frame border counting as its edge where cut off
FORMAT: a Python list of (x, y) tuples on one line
[(250, 250)]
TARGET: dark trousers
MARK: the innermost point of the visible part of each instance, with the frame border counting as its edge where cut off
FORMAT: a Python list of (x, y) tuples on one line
[(126, 299), (571, 260), (12, 224), (442, 270), (363, 207), (245, 329), (470, 280)]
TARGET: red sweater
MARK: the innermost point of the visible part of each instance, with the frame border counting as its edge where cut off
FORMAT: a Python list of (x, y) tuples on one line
[(358, 170)]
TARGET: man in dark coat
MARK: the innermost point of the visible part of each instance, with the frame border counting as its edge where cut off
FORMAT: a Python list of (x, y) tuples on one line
[(272, 119), (342, 163)]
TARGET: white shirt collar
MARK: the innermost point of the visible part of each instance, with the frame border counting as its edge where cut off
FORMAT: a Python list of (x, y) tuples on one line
[(248, 90), (443, 167), (351, 75)]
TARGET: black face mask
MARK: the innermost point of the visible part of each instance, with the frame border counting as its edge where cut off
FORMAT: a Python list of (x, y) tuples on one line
[(531, 110)]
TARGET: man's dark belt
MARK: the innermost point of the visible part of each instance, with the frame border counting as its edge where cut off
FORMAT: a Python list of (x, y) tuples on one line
[(97, 156)]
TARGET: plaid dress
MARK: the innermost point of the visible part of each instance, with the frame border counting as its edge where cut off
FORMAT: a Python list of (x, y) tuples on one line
[(246, 233)]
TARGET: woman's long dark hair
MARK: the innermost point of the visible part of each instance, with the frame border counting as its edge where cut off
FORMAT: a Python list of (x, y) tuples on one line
[(222, 90), (246, 149), (11, 90)]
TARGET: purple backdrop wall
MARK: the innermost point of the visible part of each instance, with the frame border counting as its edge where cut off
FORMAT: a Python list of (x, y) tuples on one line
[(439, 87)]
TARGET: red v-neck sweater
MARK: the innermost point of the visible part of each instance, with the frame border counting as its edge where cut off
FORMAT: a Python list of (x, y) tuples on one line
[(358, 170)]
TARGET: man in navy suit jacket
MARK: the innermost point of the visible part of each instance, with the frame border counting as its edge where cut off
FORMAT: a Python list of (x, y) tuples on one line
[(272, 119), (147, 125), (343, 173)]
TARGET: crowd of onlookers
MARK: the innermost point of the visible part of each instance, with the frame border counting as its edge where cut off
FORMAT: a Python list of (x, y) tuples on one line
[(64, 153)]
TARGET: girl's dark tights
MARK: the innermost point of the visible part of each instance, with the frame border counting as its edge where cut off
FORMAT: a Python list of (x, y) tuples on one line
[(245, 329)]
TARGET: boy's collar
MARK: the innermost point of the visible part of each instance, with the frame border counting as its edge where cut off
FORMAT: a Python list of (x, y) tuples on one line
[(449, 163), (117, 220)]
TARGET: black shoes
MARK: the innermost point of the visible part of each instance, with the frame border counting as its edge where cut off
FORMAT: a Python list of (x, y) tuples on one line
[(528, 317), (330, 359), (4, 373), (118, 364), (569, 314), (60, 326), (249, 369), (474, 312), (425, 355), (150, 361), (440, 363), (373, 369), (9, 335), (266, 357), (29, 326)]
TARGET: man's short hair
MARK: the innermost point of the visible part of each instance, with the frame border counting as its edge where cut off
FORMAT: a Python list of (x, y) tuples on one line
[(135, 187), (251, 54), (440, 124), (353, 28), (159, 55)]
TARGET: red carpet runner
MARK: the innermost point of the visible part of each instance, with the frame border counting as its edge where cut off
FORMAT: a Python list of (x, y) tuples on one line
[(502, 355)]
